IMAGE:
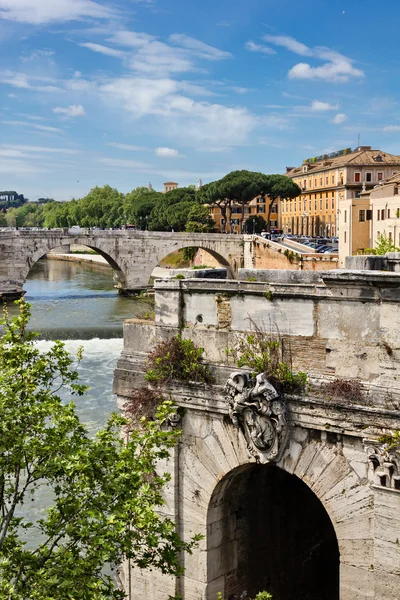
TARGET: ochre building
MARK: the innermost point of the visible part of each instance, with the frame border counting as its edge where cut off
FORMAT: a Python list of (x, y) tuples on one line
[(329, 180)]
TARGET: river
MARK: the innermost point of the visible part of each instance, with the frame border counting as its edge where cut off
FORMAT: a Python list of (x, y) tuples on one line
[(77, 303)]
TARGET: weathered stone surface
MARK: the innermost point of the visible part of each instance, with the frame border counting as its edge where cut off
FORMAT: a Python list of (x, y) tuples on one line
[(336, 326)]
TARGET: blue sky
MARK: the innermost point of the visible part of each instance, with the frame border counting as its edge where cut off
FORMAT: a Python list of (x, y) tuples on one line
[(100, 91)]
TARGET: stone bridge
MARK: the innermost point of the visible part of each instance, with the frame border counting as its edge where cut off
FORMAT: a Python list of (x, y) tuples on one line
[(132, 254), (308, 507)]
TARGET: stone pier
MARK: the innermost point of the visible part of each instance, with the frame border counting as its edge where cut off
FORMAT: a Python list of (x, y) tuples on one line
[(316, 515)]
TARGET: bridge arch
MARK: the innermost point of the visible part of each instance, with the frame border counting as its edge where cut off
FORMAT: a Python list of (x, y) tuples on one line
[(227, 262), (40, 252), (268, 531)]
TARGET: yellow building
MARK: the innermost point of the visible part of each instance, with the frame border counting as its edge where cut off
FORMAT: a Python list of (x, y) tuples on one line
[(258, 206), (327, 182)]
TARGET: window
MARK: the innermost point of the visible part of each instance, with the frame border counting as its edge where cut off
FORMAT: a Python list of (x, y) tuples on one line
[(326, 180), (361, 216), (368, 177), (309, 183), (345, 237), (305, 183), (357, 194), (261, 208), (333, 179), (320, 204), (388, 215), (315, 182), (326, 204), (309, 205), (345, 216), (320, 181), (357, 177), (379, 215), (380, 176), (333, 203), (273, 208), (382, 214), (369, 215), (247, 210), (295, 206), (305, 205)]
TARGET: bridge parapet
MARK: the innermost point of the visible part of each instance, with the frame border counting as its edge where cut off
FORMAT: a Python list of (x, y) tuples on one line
[(341, 325), (132, 254)]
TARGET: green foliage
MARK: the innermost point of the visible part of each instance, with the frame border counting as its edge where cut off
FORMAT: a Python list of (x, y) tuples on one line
[(103, 490), (384, 244), (176, 359), (172, 210), (391, 441), (255, 224), (179, 276), (199, 220), (260, 596), (242, 186), (264, 354)]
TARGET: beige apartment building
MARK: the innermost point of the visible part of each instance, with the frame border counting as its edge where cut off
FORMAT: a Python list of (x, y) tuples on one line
[(365, 219), (330, 184)]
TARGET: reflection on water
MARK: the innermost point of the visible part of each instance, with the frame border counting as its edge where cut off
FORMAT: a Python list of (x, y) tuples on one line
[(78, 301)]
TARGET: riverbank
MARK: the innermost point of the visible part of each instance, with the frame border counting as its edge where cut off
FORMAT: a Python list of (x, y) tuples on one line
[(88, 258)]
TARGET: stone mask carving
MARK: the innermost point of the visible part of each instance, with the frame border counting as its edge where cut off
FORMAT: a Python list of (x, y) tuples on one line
[(256, 408)]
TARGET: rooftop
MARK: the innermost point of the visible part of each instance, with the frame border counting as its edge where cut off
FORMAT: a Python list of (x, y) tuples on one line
[(361, 156)]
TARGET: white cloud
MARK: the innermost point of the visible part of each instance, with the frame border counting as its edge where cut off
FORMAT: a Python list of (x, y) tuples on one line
[(19, 168), (127, 147), (392, 128), (46, 11), (12, 96), (156, 58), (38, 149), (289, 43), (74, 110), (126, 164), (338, 69), (319, 106), (103, 49), (166, 152), (258, 48), (46, 53), (35, 126), (29, 82), (200, 48), (182, 117), (339, 118)]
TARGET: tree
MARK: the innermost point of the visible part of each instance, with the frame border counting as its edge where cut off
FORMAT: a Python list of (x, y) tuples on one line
[(138, 205), (199, 220), (255, 224), (384, 244), (104, 492), (279, 187), (243, 186), (171, 210)]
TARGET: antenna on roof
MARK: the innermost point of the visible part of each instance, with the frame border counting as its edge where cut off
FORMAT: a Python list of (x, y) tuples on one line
[(358, 140)]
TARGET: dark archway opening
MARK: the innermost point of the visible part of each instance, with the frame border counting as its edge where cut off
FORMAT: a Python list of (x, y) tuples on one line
[(267, 531)]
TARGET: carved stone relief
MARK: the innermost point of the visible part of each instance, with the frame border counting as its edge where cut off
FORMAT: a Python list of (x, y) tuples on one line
[(256, 408), (384, 464)]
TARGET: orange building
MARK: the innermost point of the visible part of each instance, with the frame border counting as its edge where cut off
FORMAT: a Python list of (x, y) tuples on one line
[(258, 206)]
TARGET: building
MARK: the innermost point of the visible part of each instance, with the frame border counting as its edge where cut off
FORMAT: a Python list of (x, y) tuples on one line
[(364, 220), (328, 183), (169, 186), (258, 206)]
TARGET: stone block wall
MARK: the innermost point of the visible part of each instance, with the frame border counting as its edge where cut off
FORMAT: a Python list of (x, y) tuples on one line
[(337, 324)]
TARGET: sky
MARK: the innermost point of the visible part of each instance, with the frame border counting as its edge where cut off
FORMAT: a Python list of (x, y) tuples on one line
[(127, 92)]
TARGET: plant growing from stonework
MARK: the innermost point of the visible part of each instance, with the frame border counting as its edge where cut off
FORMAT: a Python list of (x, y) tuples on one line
[(384, 244), (176, 359), (264, 353), (392, 441), (103, 492)]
